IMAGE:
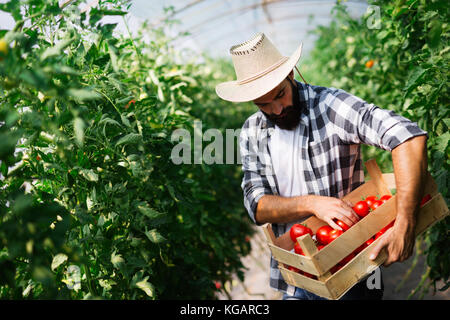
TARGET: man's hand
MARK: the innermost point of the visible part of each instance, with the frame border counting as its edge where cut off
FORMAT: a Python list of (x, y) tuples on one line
[(398, 241), (329, 208), (276, 209), (410, 167)]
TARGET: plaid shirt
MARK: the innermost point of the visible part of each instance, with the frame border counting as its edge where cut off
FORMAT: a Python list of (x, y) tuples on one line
[(333, 126)]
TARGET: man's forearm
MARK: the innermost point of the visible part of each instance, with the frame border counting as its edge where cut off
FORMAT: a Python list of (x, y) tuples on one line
[(410, 167), (277, 209)]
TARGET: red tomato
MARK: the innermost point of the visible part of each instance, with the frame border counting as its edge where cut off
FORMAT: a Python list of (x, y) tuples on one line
[(361, 208), (291, 268), (376, 204), (309, 275), (298, 230), (342, 225), (336, 268), (425, 199), (320, 247), (383, 230), (334, 234), (347, 259), (369, 242), (385, 198), (370, 200), (359, 249), (379, 233), (298, 249), (390, 225), (322, 234)]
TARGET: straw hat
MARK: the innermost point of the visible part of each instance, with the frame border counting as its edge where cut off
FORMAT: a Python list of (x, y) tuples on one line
[(259, 68)]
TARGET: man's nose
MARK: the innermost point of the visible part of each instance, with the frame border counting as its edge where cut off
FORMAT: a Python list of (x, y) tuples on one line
[(277, 108)]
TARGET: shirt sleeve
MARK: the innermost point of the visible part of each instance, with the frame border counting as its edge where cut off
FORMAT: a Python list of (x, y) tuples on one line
[(254, 182), (357, 121)]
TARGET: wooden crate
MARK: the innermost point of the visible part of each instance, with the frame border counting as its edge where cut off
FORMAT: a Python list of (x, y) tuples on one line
[(319, 263)]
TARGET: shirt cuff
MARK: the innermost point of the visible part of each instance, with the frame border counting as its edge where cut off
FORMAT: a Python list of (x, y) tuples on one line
[(400, 133)]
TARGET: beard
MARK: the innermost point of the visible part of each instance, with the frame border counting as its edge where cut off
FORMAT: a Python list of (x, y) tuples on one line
[(290, 116)]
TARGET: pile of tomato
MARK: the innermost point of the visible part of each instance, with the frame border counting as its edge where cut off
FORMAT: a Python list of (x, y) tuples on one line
[(326, 234)]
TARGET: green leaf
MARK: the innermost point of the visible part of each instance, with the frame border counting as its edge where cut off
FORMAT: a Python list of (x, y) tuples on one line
[(148, 212), (131, 138), (142, 283), (89, 175), (161, 94), (78, 126), (106, 121), (106, 283), (434, 34), (113, 54), (146, 286), (172, 192), (13, 7), (61, 69), (56, 50), (154, 236), (414, 80), (112, 12), (83, 94), (58, 260), (383, 34), (117, 260), (442, 142), (125, 121)]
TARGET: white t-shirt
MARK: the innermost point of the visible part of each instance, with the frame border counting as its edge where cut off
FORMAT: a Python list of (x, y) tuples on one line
[(285, 151)]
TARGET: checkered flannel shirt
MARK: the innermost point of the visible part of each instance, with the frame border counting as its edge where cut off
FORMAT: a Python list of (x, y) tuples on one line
[(333, 126)]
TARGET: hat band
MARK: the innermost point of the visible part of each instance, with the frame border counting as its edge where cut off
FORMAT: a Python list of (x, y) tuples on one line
[(264, 72)]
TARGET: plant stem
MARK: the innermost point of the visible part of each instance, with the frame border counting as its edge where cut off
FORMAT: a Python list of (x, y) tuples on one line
[(131, 38), (89, 280), (107, 98)]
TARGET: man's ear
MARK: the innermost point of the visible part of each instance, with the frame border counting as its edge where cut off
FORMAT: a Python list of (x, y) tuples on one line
[(291, 74)]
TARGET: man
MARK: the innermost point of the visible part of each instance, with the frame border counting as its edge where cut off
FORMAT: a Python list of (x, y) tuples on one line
[(301, 153)]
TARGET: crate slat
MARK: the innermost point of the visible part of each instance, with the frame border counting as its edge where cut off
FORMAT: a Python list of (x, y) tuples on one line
[(293, 259), (354, 271), (389, 178), (432, 212), (311, 285), (377, 177)]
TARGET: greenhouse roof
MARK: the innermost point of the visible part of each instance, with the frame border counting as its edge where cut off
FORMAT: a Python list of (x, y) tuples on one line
[(215, 25)]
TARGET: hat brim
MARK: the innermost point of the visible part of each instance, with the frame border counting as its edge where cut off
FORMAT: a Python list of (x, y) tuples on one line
[(235, 92)]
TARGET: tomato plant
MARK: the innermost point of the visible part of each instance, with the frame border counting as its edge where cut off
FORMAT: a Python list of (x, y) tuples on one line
[(87, 182)]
